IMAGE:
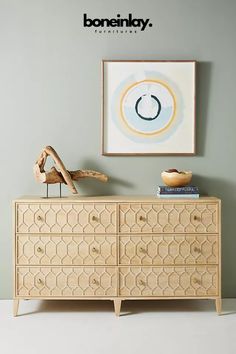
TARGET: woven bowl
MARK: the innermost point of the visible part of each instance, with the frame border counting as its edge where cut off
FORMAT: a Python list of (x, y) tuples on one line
[(176, 179)]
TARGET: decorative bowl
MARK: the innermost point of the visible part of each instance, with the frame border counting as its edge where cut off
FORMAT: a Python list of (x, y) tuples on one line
[(175, 178)]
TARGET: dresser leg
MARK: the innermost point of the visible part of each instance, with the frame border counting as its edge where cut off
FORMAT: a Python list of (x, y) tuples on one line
[(15, 307), (117, 306), (218, 305)]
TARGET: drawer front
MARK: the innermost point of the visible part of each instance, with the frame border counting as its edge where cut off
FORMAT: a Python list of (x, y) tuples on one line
[(168, 281), (168, 249), (168, 218), (66, 250), (66, 282), (66, 218)]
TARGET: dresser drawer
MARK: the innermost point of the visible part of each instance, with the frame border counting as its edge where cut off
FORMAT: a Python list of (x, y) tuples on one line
[(66, 281), (32, 249), (66, 218), (168, 218), (168, 249), (168, 281)]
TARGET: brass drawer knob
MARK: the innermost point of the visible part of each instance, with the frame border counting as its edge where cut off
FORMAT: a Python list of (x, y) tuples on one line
[(143, 250), (39, 218), (94, 281), (40, 281), (94, 250), (142, 218), (95, 218), (195, 217), (142, 282), (40, 250), (197, 249), (197, 281)]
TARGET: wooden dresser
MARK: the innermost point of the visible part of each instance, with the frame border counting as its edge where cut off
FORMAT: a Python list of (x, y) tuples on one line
[(117, 248)]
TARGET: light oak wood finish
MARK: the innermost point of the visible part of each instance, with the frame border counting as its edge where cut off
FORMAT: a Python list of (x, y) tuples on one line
[(218, 305), (168, 218), (168, 249), (117, 248), (15, 307), (117, 306), (34, 249), (169, 281), (84, 218), (66, 281)]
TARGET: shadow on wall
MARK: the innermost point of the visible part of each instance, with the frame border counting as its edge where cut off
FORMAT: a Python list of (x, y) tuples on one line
[(93, 187), (223, 189), (203, 83)]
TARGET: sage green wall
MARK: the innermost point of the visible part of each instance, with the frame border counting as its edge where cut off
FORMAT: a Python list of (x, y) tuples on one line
[(50, 94)]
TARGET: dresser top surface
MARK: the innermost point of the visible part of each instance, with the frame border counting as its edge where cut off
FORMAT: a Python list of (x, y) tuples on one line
[(114, 198)]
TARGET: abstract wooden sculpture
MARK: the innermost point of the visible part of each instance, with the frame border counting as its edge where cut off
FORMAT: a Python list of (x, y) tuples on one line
[(61, 174)]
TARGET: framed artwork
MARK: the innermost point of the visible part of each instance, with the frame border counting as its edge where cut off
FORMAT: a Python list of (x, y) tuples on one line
[(148, 107)]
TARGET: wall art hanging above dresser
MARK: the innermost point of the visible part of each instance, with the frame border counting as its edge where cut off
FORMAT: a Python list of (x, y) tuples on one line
[(148, 107)]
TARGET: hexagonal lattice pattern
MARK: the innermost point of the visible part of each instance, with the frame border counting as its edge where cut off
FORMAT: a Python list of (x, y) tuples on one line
[(66, 218), (168, 249), (72, 249), (66, 250), (168, 218), (168, 281), (66, 282)]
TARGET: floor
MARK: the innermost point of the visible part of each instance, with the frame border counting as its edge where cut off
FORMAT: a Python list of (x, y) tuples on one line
[(90, 327)]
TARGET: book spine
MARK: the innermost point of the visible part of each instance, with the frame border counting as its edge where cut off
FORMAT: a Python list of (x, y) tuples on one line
[(184, 196), (180, 190), (176, 193)]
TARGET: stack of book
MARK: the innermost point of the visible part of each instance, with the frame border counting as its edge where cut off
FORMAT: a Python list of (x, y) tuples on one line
[(178, 192)]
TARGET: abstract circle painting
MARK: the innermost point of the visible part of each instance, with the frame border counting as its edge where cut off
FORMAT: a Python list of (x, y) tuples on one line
[(148, 107)]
